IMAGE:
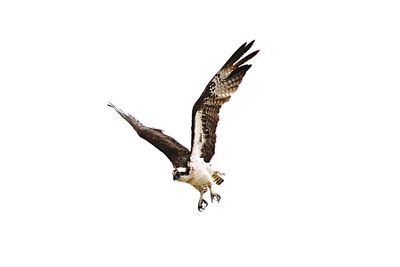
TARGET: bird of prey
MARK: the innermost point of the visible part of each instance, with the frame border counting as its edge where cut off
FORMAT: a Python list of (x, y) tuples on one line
[(193, 166)]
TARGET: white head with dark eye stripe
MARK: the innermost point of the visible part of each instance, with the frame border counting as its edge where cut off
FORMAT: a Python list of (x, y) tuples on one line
[(178, 172)]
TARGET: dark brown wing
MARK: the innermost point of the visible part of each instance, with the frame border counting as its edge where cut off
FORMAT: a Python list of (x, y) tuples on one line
[(175, 152), (218, 91)]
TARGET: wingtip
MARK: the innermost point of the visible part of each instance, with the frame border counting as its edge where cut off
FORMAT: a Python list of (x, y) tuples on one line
[(110, 104), (251, 43), (254, 53), (239, 53), (246, 58), (242, 46)]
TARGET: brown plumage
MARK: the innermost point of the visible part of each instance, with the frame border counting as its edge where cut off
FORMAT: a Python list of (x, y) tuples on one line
[(217, 92), (178, 154), (193, 166)]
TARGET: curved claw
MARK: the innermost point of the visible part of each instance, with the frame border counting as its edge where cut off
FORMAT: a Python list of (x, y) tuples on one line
[(216, 197), (202, 205)]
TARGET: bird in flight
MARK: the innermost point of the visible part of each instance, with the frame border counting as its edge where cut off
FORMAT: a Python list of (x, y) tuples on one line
[(193, 166)]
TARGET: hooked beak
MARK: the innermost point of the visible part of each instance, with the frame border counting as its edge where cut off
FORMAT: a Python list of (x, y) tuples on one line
[(176, 176)]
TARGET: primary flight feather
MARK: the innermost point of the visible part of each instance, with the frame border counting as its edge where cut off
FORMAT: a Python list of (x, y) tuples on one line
[(193, 167)]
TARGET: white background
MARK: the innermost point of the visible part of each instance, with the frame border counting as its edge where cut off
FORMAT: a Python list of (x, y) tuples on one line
[(309, 143)]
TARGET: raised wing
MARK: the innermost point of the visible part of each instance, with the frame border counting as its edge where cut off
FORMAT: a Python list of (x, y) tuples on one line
[(218, 91), (175, 152)]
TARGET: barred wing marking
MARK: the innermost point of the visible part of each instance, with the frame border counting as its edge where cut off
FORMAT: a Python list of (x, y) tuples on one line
[(218, 91)]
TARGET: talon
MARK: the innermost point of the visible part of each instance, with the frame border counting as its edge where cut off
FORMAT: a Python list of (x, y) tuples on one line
[(202, 205), (216, 197)]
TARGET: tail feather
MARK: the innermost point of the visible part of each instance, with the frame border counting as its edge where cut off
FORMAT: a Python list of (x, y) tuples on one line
[(217, 177)]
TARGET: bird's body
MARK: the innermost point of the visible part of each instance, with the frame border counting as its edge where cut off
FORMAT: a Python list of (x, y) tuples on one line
[(193, 167), (199, 176)]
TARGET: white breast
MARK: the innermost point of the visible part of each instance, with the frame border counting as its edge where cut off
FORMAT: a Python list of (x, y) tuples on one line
[(199, 175)]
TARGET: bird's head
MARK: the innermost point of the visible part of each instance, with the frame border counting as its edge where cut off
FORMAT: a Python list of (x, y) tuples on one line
[(178, 172)]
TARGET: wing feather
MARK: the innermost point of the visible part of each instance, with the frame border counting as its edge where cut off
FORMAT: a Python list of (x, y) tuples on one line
[(205, 113), (178, 154)]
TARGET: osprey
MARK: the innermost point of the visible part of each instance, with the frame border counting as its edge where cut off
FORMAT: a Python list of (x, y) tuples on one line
[(193, 167)]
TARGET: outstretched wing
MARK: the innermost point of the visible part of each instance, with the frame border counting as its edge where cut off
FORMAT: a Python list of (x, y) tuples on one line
[(218, 91), (175, 152)]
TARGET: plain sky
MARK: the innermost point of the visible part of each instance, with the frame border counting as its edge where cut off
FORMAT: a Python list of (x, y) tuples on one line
[(310, 143)]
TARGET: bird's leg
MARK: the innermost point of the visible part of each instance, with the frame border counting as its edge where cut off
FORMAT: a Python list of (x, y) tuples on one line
[(214, 196), (202, 205)]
